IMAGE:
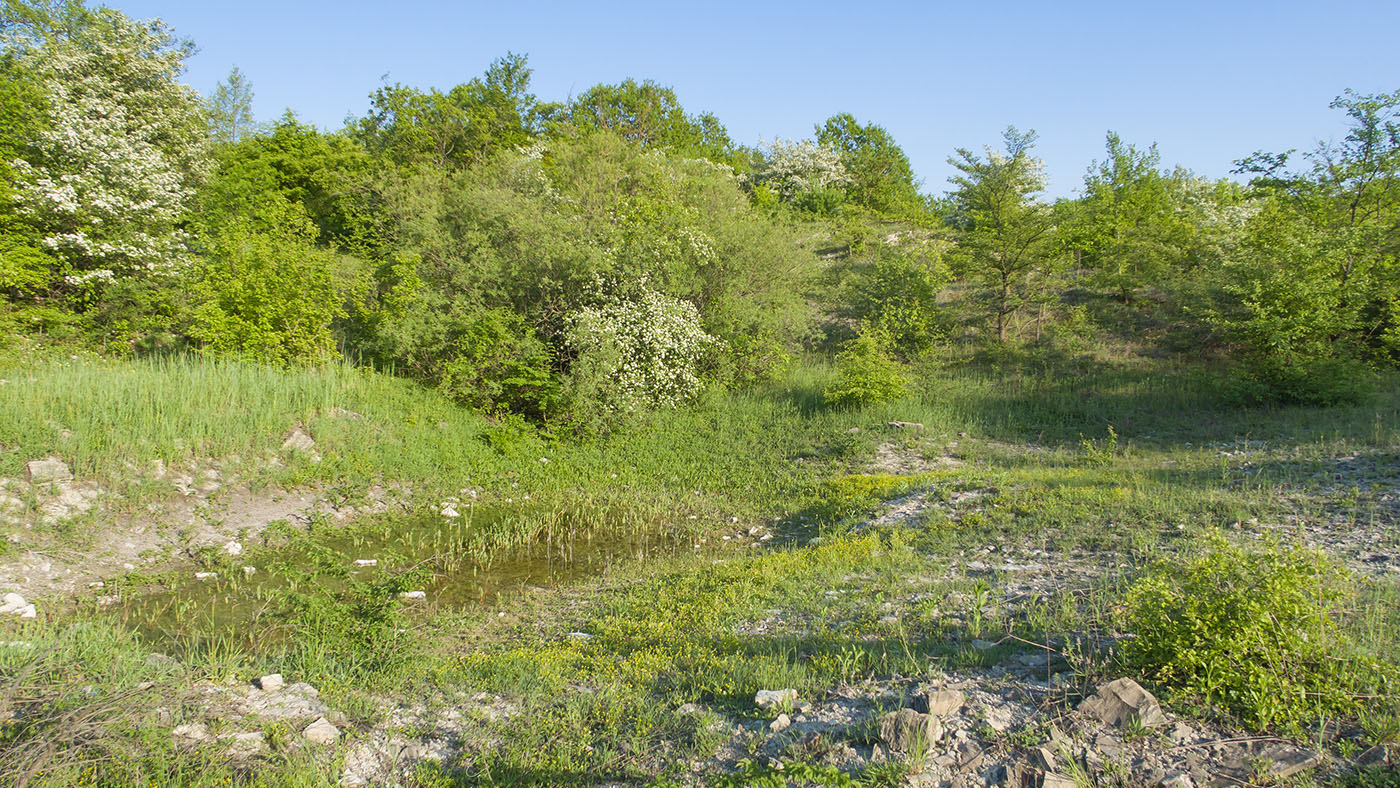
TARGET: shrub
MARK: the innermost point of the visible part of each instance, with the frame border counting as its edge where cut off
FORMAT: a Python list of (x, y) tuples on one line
[(899, 294), (639, 351), (1257, 631), (868, 375), (498, 365), (266, 291), (1297, 380)]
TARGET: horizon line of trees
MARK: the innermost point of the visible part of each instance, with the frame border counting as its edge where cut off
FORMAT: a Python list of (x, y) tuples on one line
[(576, 262)]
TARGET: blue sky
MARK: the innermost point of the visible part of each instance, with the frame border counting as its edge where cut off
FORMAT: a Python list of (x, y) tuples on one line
[(1210, 82)]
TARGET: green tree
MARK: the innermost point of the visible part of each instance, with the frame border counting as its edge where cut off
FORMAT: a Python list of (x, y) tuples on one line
[(1320, 272), (650, 116), (455, 129), (1004, 233), (231, 108), (265, 291), (1129, 228), (107, 176), (880, 177)]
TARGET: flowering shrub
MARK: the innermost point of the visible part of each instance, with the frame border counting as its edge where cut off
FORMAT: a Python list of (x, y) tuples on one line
[(642, 351), (791, 168), (114, 166)]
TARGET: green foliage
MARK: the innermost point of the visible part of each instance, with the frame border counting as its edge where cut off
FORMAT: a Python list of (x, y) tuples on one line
[(898, 295), (1300, 380), (1004, 233), (266, 291), (456, 129), (496, 364), (867, 374), (649, 115), (880, 177), (1259, 632)]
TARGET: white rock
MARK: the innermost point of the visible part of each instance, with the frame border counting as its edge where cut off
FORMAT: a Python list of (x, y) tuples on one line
[(250, 570), (769, 699), (449, 511), (366, 562), (297, 440), (271, 682), (414, 595), (50, 469), (13, 603), (321, 732), (28, 612), (234, 548), (205, 575), (193, 731), (782, 723), (580, 636)]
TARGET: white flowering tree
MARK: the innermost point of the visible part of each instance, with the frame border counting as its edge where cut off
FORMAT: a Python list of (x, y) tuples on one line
[(641, 351), (109, 174), (790, 168)]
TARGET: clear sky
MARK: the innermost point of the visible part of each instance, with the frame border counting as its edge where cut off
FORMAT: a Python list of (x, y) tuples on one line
[(1210, 82)]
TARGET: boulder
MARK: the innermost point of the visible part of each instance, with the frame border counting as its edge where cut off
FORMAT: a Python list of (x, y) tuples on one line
[(298, 440), (772, 699), (907, 730), (321, 732), (50, 469), (1123, 702), (271, 682)]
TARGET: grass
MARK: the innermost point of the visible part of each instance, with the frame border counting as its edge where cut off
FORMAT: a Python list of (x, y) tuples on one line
[(1117, 464)]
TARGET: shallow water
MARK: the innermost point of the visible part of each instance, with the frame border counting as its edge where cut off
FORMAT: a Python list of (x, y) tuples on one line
[(448, 565)]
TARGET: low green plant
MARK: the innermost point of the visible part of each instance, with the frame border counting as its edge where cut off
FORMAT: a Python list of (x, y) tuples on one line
[(867, 373), (1258, 631)]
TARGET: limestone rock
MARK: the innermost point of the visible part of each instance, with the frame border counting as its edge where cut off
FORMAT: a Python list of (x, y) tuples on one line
[(271, 682), (190, 732), (1056, 780), (321, 732), (780, 724), (905, 730), (772, 699), (1123, 702), (50, 469), (298, 440)]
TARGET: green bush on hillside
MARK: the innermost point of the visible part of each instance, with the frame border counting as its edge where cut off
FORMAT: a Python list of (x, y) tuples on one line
[(1259, 632), (868, 375)]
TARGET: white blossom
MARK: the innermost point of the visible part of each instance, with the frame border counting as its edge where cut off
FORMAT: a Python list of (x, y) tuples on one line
[(115, 166)]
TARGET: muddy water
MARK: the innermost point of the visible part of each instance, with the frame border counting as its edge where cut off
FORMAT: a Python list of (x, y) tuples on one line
[(428, 554)]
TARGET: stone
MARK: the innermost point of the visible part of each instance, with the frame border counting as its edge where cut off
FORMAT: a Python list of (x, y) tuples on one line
[(581, 637), (50, 469), (321, 732), (298, 440), (366, 562), (1287, 761), (905, 425), (28, 611), (191, 732), (233, 548), (205, 575), (781, 723), (1123, 702), (687, 708), (999, 718), (271, 682), (772, 699), (907, 730), (13, 603), (1057, 780), (157, 660), (414, 595), (1045, 757), (1374, 756), (1176, 780)]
